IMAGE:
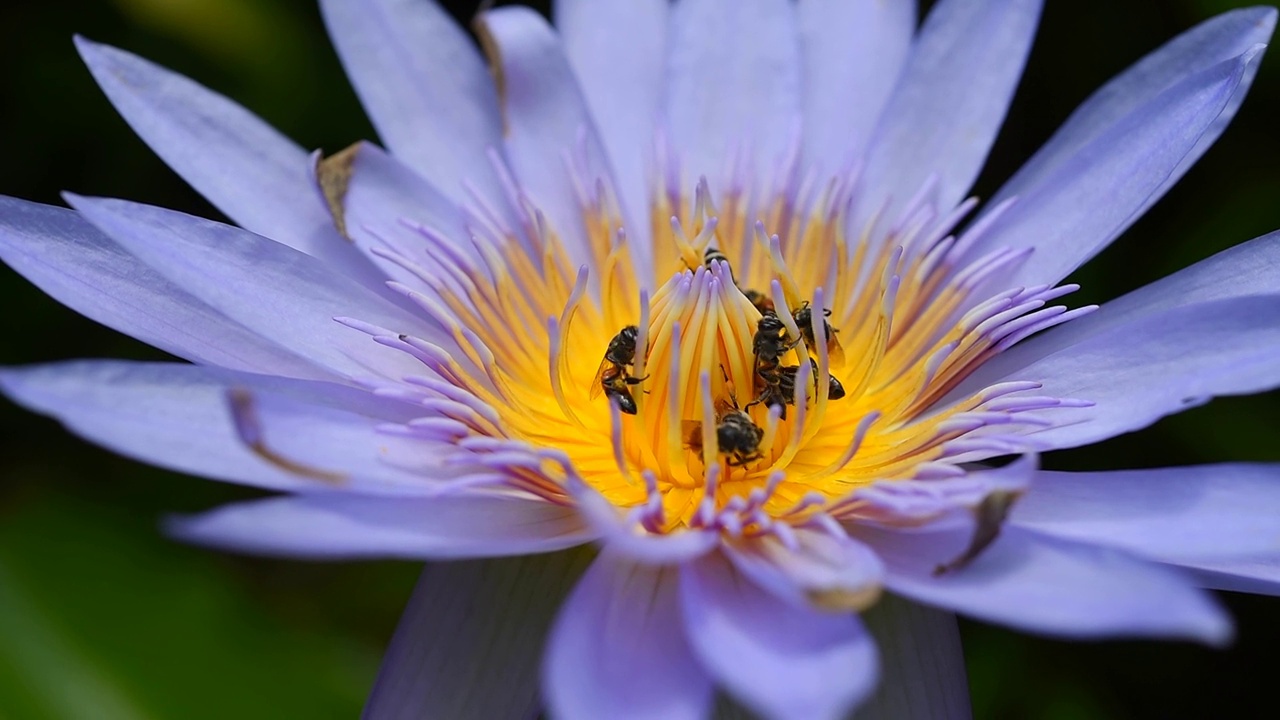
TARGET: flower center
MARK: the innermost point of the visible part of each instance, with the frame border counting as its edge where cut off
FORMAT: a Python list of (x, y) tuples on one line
[(780, 363)]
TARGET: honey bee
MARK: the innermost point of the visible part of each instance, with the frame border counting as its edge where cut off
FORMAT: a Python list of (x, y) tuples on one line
[(770, 343), (613, 378), (804, 319), (737, 435), (787, 386), (711, 255), (762, 302)]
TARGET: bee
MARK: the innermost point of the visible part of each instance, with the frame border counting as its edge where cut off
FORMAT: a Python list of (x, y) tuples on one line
[(762, 302), (737, 435), (613, 377), (770, 343), (711, 254), (787, 386), (804, 319)]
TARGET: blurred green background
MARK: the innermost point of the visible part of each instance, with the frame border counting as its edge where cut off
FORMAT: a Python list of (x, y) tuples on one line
[(102, 617)]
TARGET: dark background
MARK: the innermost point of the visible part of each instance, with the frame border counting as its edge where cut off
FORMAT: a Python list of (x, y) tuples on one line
[(102, 617)]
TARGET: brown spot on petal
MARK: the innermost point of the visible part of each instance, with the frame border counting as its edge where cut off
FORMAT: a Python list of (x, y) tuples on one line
[(249, 429), (334, 175), (990, 515), (845, 599)]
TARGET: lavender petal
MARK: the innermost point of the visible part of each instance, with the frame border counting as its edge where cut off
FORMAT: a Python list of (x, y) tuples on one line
[(332, 526), (1046, 585), (425, 87), (178, 416), (853, 52), (779, 659), (242, 165), (1089, 199), (271, 289), (617, 52), (1216, 40), (470, 640), (618, 649), (1204, 512), (964, 67), (64, 255), (732, 102)]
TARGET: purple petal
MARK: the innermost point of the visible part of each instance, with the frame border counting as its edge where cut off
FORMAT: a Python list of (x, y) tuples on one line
[(425, 87), (1089, 199), (853, 52), (335, 526), (470, 640), (964, 67), (618, 649), (921, 664), (547, 122), (73, 261), (617, 51), (267, 287), (242, 165), (779, 659), (1166, 514), (1046, 585), (821, 570), (1252, 575), (178, 416), (1247, 269), (734, 72), (1166, 362), (384, 205), (1216, 40)]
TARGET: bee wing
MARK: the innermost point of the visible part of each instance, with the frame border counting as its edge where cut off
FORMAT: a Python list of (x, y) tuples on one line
[(692, 432), (835, 351), (597, 385)]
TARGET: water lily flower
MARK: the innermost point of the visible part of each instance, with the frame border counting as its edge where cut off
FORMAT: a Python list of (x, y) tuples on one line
[(697, 284)]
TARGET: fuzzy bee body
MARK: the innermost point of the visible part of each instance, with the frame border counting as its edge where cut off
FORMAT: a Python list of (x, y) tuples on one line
[(613, 378), (804, 320), (737, 436)]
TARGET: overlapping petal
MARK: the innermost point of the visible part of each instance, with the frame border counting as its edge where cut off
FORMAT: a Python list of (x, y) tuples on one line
[(81, 267), (242, 165), (617, 51), (331, 526), (470, 640), (1047, 585), (551, 140), (776, 657), (733, 98), (1082, 205), (1167, 514), (853, 51), (964, 67), (1214, 41), (818, 569), (179, 417), (390, 212), (271, 289), (425, 87), (619, 604)]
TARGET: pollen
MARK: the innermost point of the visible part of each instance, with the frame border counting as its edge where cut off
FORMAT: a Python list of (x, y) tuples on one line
[(757, 362)]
